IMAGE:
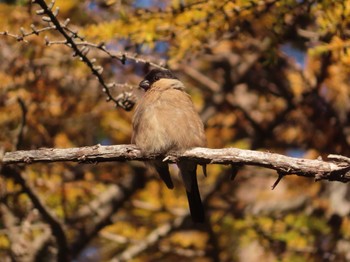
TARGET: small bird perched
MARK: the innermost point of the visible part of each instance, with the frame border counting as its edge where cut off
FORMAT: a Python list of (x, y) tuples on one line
[(165, 120)]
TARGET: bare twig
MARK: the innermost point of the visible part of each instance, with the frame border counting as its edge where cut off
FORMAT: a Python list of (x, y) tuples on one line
[(234, 171), (23, 123), (125, 101), (278, 180), (81, 48), (121, 56), (332, 171), (24, 34)]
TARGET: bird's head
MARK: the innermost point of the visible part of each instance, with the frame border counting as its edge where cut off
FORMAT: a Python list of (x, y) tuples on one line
[(153, 76)]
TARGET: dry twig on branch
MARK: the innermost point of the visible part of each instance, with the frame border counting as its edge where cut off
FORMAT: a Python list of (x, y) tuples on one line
[(336, 169), (81, 47)]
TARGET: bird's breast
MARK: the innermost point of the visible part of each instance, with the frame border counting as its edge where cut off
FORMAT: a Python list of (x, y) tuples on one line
[(166, 121)]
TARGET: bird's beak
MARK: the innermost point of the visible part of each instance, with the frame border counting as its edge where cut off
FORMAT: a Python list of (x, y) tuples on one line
[(144, 84)]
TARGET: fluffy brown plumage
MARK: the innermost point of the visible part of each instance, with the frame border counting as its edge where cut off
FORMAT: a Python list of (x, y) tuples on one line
[(164, 120)]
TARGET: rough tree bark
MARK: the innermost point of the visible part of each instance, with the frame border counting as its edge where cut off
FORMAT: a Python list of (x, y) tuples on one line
[(337, 168)]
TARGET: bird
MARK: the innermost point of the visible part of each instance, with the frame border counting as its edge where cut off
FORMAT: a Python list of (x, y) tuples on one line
[(165, 120)]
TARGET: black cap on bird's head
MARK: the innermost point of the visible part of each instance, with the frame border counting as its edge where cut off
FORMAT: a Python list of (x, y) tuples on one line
[(153, 76)]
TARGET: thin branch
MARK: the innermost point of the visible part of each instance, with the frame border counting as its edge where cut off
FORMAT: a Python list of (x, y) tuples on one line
[(125, 100), (121, 56), (23, 123), (96, 70), (55, 225), (111, 202), (234, 171), (280, 176), (24, 34), (321, 170)]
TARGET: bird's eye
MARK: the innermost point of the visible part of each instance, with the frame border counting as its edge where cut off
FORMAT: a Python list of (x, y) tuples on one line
[(156, 78)]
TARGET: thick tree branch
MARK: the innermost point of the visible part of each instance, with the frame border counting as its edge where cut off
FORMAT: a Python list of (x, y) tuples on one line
[(337, 169)]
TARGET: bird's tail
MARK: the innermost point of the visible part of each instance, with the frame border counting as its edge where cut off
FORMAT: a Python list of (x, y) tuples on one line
[(195, 203), (189, 177)]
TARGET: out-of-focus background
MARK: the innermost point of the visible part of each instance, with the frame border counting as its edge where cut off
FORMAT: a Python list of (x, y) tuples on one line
[(264, 75)]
